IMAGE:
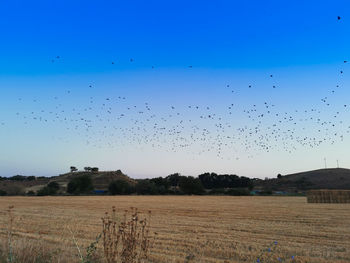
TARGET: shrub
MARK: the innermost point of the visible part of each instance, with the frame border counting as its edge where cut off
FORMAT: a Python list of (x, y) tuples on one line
[(3, 193), (80, 185), (54, 185), (191, 185), (94, 169), (18, 178), (120, 187), (127, 241), (31, 178), (15, 190), (73, 169), (46, 191), (217, 191), (50, 189), (146, 187), (238, 192)]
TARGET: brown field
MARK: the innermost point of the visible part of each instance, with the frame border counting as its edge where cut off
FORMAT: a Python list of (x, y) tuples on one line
[(191, 228)]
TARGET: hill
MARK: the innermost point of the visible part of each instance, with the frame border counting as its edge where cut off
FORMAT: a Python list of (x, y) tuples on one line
[(334, 178), (101, 180)]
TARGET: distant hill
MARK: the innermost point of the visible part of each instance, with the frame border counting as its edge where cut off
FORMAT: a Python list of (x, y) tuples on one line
[(101, 181), (334, 178), (292, 183)]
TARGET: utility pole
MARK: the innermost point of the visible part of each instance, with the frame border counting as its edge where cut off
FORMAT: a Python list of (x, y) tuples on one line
[(337, 163), (325, 163)]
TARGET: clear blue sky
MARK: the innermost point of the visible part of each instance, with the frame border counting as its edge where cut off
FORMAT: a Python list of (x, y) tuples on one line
[(159, 54)]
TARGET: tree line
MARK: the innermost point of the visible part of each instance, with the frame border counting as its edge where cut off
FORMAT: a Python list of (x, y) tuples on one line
[(174, 184)]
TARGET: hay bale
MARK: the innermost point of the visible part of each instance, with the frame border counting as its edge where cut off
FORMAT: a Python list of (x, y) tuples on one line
[(328, 196)]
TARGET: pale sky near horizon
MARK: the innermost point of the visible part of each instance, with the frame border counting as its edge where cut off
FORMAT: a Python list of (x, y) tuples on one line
[(153, 88)]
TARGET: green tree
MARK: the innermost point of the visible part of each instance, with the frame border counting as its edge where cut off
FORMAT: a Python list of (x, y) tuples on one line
[(54, 185), (191, 185), (73, 169), (94, 169), (146, 187), (120, 187), (80, 185), (46, 191)]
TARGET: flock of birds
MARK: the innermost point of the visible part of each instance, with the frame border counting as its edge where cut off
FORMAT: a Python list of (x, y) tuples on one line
[(115, 121)]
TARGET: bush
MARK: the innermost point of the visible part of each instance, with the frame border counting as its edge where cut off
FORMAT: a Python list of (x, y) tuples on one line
[(80, 185), (3, 193), (126, 241), (237, 192), (15, 190), (30, 193), (120, 187), (54, 185), (50, 189), (31, 178), (217, 191), (18, 178), (266, 192), (46, 191), (146, 187), (161, 184), (191, 185), (94, 169)]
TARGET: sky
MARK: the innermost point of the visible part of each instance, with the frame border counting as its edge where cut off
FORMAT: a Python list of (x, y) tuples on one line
[(116, 84)]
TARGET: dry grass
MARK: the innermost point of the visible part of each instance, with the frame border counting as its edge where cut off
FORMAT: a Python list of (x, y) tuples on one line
[(328, 196), (126, 241), (192, 228)]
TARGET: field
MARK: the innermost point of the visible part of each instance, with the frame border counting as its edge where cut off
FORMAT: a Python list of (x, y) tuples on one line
[(191, 228)]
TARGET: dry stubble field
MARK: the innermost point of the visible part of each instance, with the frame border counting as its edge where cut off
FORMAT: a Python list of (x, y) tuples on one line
[(193, 228)]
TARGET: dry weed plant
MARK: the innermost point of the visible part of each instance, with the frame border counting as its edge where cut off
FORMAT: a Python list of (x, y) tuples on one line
[(23, 250), (127, 241), (9, 233)]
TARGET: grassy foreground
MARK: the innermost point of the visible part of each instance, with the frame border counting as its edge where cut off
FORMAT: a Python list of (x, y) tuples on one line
[(188, 228)]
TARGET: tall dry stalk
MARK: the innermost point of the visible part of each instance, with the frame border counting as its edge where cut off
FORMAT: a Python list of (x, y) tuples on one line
[(9, 233), (127, 241)]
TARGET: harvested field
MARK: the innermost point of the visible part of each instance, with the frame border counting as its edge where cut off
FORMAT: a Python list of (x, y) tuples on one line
[(328, 196), (193, 228)]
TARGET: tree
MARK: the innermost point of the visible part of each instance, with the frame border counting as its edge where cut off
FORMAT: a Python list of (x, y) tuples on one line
[(215, 181), (46, 191), (80, 185), (279, 176), (30, 193), (145, 187), (15, 190), (31, 178), (120, 187), (94, 169), (87, 169), (54, 185), (51, 189), (173, 179), (191, 185), (237, 192), (73, 169), (18, 178), (161, 184)]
